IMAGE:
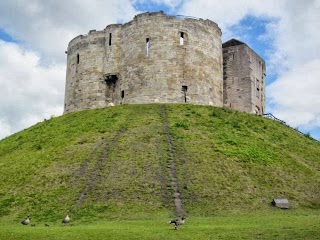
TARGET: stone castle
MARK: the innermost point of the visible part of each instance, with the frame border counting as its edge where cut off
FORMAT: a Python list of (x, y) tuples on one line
[(156, 58)]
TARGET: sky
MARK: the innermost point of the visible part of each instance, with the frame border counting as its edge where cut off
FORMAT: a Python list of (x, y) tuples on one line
[(34, 35)]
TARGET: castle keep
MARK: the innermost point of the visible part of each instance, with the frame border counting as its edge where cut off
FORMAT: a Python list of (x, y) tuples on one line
[(156, 58)]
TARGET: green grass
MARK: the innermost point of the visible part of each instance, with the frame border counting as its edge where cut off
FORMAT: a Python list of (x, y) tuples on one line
[(262, 225), (226, 162)]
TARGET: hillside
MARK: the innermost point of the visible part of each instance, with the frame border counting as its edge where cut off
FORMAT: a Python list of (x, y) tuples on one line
[(126, 162)]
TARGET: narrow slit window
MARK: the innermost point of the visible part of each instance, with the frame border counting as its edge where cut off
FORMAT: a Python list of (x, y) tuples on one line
[(181, 38), (110, 37), (147, 46), (184, 90), (258, 93), (122, 94), (78, 58)]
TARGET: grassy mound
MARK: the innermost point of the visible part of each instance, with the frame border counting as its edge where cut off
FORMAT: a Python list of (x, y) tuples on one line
[(114, 163)]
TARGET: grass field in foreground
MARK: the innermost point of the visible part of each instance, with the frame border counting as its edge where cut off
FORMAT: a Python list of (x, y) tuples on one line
[(259, 225)]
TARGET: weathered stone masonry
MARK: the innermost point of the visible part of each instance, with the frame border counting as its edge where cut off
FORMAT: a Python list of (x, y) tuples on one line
[(244, 75), (154, 58)]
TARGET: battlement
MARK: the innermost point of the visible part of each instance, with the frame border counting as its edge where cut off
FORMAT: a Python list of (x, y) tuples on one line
[(147, 15)]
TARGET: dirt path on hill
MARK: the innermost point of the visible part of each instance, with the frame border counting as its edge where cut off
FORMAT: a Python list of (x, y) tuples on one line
[(97, 159), (171, 164)]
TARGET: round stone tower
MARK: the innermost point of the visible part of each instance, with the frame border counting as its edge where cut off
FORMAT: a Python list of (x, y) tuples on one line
[(154, 58)]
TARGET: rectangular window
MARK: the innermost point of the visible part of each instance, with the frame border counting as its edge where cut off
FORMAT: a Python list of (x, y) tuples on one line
[(122, 94), (181, 38), (184, 88), (110, 37), (147, 46), (78, 58)]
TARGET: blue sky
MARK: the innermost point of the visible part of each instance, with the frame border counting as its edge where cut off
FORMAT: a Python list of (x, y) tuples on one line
[(35, 34), (5, 37), (153, 7)]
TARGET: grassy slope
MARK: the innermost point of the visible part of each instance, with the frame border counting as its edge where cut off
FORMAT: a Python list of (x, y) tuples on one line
[(225, 160)]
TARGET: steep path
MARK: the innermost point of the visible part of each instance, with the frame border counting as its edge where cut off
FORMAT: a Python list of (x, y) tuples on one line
[(94, 176), (171, 163)]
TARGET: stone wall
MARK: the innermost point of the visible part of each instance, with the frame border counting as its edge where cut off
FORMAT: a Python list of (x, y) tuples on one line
[(244, 75), (111, 67), (85, 68)]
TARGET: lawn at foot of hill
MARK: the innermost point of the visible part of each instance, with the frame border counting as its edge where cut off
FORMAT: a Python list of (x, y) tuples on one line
[(260, 225)]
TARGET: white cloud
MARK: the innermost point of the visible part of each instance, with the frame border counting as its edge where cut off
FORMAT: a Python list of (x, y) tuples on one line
[(295, 36), (229, 12), (48, 26), (5, 129), (29, 92), (296, 95)]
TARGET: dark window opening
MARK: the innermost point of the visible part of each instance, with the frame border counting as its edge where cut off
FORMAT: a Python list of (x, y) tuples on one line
[(111, 81), (147, 46), (110, 36), (181, 38), (257, 110), (78, 58), (184, 90), (122, 94)]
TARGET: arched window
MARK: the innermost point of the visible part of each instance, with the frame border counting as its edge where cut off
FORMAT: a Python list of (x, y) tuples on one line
[(182, 38)]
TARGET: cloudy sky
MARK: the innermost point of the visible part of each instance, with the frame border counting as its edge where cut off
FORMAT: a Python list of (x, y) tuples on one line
[(35, 33)]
